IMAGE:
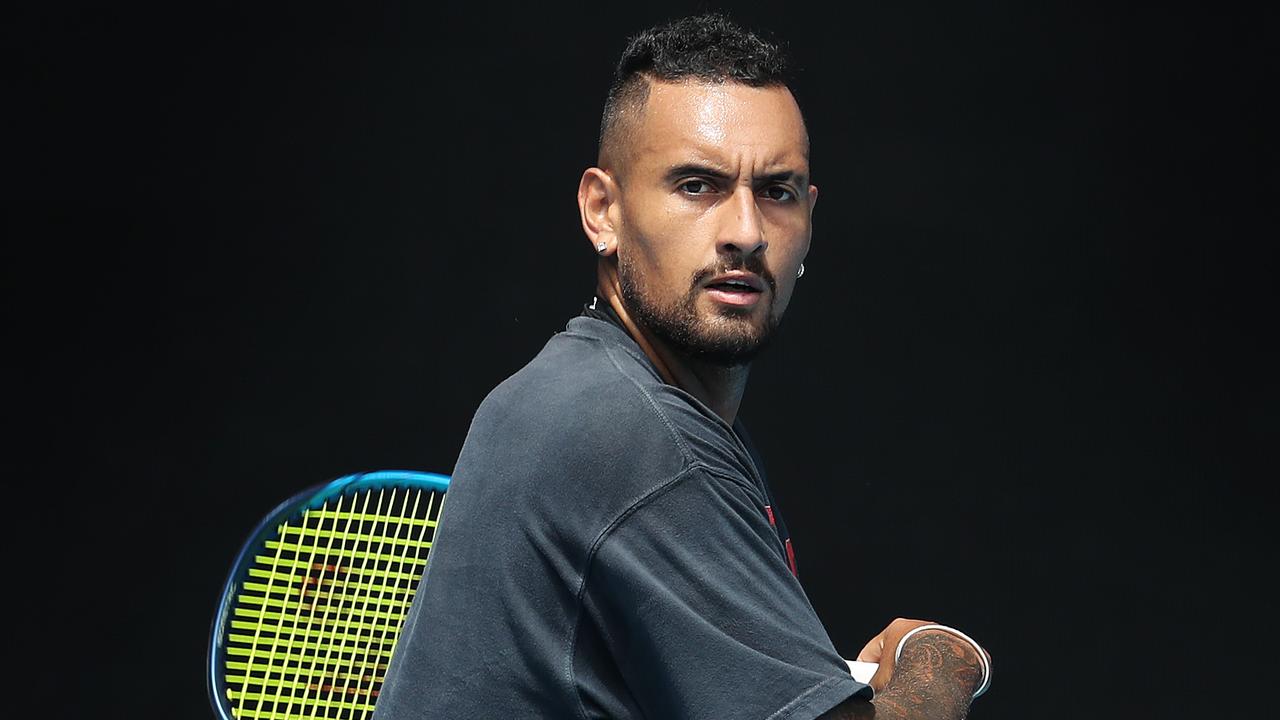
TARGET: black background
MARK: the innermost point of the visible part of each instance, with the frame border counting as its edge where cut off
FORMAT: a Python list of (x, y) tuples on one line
[(1026, 386)]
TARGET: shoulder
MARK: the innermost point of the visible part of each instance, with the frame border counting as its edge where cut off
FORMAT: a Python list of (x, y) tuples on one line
[(578, 386), (590, 405)]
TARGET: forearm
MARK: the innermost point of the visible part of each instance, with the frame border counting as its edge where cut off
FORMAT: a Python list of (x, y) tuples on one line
[(934, 679)]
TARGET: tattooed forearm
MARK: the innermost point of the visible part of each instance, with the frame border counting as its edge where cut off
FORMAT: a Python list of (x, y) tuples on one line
[(934, 679)]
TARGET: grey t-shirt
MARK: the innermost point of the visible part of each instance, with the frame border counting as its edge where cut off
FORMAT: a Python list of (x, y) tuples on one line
[(608, 549)]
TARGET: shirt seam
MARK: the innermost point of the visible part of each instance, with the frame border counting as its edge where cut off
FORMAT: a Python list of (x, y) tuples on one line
[(630, 510), (643, 500), (610, 345), (641, 357), (690, 464), (685, 453)]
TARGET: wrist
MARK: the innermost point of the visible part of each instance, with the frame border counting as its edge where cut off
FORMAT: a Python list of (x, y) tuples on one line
[(983, 660)]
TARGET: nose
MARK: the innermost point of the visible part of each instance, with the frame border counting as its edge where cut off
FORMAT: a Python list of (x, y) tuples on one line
[(742, 230)]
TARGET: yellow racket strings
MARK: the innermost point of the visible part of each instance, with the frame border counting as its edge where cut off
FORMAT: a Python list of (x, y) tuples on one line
[(262, 617), (335, 588), (332, 562), (372, 667), (339, 591), (361, 651)]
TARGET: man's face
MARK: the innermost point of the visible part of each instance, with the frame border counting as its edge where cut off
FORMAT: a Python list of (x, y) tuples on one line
[(714, 216)]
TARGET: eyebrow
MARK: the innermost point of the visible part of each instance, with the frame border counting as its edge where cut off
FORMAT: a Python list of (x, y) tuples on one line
[(708, 171)]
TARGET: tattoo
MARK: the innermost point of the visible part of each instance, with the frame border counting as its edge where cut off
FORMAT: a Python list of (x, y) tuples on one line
[(934, 679)]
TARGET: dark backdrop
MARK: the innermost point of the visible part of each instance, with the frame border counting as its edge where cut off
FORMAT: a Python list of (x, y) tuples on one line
[(1026, 386)]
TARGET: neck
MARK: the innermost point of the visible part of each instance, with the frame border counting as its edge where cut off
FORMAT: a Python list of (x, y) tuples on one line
[(719, 388)]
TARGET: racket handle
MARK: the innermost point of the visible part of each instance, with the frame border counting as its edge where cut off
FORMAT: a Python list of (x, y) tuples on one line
[(862, 671)]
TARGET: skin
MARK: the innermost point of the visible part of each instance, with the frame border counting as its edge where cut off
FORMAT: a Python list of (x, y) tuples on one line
[(934, 679), (712, 176), (756, 209)]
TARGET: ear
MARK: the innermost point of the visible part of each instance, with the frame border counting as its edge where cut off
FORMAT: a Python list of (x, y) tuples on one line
[(813, 198), (598, 195)]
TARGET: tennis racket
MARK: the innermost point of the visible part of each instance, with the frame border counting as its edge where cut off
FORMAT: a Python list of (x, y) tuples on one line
[(315, 601)]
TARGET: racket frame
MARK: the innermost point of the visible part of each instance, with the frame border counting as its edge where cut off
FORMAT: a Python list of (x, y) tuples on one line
[(310, 499)]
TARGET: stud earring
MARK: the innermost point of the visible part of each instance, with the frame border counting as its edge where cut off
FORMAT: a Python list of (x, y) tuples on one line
[(601, 247), (800, 272)]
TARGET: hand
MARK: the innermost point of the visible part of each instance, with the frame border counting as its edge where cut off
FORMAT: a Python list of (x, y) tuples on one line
[(882, 647)]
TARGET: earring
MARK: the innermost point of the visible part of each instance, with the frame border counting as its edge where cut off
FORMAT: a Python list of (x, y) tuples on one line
[(800, 272), (601, 247)]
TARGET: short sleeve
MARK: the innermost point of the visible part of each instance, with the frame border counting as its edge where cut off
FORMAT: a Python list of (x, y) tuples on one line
[(701, 614)]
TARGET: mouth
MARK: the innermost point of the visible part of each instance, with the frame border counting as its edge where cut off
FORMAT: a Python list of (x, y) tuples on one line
[(736, 288)]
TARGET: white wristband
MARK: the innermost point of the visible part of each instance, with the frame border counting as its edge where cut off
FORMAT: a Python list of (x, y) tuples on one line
[(982, 655)]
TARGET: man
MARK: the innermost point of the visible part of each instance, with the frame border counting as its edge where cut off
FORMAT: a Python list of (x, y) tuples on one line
[(609, 547)]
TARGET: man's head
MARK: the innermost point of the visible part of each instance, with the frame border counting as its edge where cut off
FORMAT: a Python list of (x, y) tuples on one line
[(702, 187)]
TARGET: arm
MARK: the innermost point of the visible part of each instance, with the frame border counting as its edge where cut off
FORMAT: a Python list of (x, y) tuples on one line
[(701, 615), (935, 679)]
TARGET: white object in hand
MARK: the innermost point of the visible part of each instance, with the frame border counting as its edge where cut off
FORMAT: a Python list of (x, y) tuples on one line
[(862, 671)]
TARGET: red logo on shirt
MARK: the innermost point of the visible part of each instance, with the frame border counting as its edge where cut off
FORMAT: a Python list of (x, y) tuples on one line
[(791, 553)]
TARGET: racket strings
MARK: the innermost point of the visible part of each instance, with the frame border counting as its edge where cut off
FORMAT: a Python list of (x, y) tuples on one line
[(360, 660), (370, 678), (317, 619), (314, 677)]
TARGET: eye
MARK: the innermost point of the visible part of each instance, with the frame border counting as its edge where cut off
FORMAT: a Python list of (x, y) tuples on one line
[(695, 187), (780, 193)]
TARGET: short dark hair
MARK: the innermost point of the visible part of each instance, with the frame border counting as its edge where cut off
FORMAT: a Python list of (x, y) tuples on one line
[(708, 47)]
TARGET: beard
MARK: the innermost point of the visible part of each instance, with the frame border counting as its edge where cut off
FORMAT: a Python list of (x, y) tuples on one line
[(729, 337)]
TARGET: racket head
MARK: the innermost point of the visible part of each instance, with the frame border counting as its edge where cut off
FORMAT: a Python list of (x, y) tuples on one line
[(315, 600)]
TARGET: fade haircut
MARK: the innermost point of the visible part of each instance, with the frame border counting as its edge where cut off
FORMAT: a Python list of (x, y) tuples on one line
[(707, 48)]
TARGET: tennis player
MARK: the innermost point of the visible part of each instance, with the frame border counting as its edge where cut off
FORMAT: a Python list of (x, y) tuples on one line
[(609, 547)]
